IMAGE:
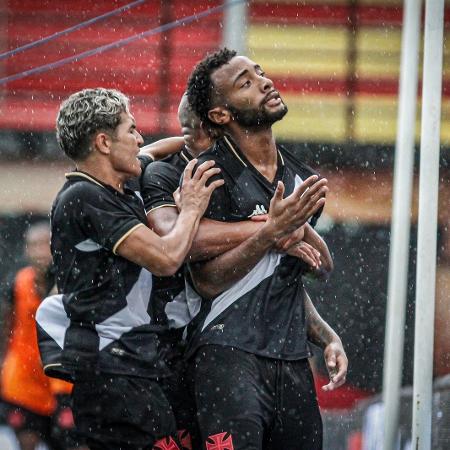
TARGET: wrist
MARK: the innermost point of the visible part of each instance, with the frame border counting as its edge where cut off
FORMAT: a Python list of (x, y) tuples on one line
[(267, 233), (334, 340), (189, 215)]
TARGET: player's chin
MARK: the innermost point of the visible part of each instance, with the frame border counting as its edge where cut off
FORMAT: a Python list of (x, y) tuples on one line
[(276, 112)]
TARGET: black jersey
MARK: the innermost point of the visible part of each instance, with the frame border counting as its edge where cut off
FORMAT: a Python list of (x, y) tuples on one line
[(263, 313), (158, 183), (100, 320), (162, 178)]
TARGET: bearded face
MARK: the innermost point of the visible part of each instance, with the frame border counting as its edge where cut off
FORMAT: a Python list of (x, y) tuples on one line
[(257, 117)]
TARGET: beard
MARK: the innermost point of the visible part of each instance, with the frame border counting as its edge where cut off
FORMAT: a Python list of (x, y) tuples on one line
[(256, 117)]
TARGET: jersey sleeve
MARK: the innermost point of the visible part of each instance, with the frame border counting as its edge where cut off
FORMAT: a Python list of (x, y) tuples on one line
[(107, 222), (159, 181)]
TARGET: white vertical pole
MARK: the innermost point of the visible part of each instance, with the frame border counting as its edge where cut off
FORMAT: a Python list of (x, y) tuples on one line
[(235, 26), (400, 226), (427, 228)]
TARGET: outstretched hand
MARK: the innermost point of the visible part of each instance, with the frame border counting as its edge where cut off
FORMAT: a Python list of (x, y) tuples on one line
[(337, 365), (288, 214)]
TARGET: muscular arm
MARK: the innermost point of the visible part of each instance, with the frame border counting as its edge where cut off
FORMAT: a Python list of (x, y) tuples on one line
[(206, 244), (161, 255), (322, 335), (215, 276), (162, 148), (219, 274), (312, 238), (164, 255)]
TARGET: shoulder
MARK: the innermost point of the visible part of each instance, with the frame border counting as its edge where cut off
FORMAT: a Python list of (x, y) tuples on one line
[(294, 160), (77, 198), (161, 174), (79, 189), (158, 167), (217, 152)]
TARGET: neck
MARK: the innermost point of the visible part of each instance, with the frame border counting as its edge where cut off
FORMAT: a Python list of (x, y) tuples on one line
[(259, 147), (191, 152), (103, 173)]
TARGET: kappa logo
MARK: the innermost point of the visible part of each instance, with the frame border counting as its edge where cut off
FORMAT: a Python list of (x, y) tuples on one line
[(258, 211), (166, 443), (218, 327), (218, 442)]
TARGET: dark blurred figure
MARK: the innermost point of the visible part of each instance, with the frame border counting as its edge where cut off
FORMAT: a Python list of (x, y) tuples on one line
[(28, 395)]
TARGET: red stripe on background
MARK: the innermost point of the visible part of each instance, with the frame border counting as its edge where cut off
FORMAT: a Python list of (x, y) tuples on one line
[(305, 85), (329, 14), (291, 85), (301, 14)]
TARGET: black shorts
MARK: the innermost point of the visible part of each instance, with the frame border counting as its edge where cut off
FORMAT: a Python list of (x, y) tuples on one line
[(21, 420), (179, 393), (122, 412), (250, 402)]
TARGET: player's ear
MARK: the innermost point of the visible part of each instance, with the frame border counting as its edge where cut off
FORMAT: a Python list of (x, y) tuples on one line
[(102, 142), (219, 115)]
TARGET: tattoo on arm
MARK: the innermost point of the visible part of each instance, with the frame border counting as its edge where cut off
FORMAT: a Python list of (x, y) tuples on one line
[(318, 331)]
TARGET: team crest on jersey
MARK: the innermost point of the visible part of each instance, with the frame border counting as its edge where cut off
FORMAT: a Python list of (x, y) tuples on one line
[(166, 443), (185, 439), (258, 211), (218, 442)]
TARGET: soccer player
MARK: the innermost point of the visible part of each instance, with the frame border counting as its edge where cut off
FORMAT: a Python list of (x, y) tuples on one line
[(213, 238), (158, 184), (253, 384), (98, 332)]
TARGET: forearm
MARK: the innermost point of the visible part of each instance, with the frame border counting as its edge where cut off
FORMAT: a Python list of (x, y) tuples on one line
[(219, 274), (312, 238), (177, 243), (318, 331), (214, 238), (162, 148)]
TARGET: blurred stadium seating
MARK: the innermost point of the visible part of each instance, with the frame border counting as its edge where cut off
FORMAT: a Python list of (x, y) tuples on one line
[(336, 62)]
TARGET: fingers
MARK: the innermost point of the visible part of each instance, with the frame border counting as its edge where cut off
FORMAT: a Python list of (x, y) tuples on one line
[(202, 169), (309, 188), (306, 257), (279, 192), (337, 365), (215, 185), (312, 253), (342, 366), (260, 218), (307, 184), (188, 170), (207, 174), (306, 201)]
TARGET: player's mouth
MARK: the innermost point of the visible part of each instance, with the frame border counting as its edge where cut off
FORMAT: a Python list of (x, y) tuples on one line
[(272, 99)]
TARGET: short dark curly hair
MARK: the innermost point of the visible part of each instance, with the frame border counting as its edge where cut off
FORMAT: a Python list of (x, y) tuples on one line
[(200, 86)]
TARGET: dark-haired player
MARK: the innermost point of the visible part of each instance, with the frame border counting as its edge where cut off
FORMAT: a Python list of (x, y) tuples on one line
[(158, 184), (253, 383)]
